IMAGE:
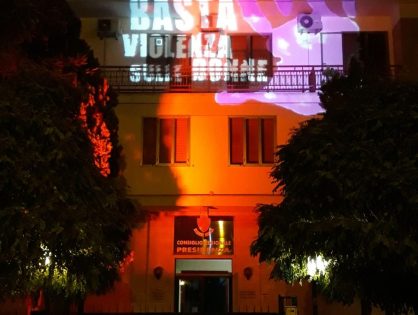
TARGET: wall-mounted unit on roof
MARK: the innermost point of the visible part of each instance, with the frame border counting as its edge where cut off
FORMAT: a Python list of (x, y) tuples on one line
[(107, 28), (309, 23)]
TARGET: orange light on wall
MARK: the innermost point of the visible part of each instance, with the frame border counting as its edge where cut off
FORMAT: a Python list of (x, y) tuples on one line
[(221, 236), (158, 272), (98, 133), (126, 262), (248, 272)]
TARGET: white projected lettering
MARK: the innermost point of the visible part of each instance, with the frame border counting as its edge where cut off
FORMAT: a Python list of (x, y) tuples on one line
[(226, 16), (164, 33), (204, 13), (148, 73), (211, 55), (186, 22), (162, 18), (181, 47), (236, 41), (164, 15), (139, 19), (130, 42)]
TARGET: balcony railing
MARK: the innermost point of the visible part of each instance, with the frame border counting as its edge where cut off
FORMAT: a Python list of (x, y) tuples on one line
[(149, 78), (168, 78)]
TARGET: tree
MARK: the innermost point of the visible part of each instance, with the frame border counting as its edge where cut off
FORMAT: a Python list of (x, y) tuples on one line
[(65, 220), (348, 180)]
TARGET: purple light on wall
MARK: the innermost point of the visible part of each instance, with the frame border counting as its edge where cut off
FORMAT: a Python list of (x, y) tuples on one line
[(300, 103), (285, 7), (291, 47), (254, 16), (350, 8)]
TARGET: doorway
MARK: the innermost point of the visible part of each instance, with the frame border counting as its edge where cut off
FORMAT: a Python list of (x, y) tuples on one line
[(206, 290), (371, 49)]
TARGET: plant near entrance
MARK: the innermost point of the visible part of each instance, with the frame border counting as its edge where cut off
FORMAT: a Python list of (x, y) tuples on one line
[(348, 181), (65, 220), (56, 204)]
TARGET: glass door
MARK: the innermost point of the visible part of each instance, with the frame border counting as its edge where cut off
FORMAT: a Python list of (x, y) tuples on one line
[(203, 292)]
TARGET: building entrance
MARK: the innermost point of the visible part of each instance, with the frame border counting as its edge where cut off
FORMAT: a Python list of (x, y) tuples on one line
[(203, 291)]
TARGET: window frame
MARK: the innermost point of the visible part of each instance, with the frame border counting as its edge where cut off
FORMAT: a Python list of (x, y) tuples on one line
[(245, 138), (157, 141)]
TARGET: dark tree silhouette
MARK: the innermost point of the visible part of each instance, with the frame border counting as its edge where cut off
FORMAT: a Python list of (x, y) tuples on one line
[(65, 218), (348, 180)]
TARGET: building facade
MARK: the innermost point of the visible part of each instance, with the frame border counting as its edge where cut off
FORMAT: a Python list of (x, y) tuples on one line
[(207, 91)]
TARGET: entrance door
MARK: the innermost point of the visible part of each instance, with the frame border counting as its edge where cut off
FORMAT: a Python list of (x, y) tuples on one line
[(203, 292)]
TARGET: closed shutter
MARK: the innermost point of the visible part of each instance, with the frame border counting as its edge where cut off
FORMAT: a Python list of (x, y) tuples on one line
[(149, 145), (267, 134), (181, 140), (236, 129), (253, 140), (261, 47), (239, 47), (166, 140)]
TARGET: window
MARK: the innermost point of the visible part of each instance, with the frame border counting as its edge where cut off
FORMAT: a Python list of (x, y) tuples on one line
[(251, 140), (165, 141), (370, 48), (252, 46), (251, 60)]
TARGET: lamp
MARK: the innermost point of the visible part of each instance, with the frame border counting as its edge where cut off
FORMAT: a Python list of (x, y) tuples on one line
[(316, 267), (158, 272), (248, 273)]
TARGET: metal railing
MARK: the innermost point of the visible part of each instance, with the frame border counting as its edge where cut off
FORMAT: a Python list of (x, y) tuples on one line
[(169, 78)]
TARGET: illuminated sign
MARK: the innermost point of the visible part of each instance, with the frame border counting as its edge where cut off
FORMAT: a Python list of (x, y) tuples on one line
[(203, 235)]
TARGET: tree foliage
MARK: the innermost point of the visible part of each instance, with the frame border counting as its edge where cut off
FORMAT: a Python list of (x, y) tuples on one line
[(55, 202), (349, 185), (61, 197)]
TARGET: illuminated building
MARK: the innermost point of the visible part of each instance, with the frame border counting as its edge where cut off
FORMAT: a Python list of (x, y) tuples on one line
[(207, 91)]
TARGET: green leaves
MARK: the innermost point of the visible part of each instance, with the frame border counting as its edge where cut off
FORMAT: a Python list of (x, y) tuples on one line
[(349, 182), (53, 194)]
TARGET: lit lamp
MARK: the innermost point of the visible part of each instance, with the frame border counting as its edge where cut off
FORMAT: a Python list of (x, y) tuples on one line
[(316, 267)]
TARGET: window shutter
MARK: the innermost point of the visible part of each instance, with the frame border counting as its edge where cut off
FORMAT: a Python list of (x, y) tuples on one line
[(260, 47), (252, 133), (239, 47), (149, 136), (166, 140), (181, 140), (236, 140), (261, 50), (267, 134)]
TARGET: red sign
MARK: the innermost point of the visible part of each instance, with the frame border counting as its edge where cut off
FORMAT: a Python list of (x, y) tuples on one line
[(203, 235)]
